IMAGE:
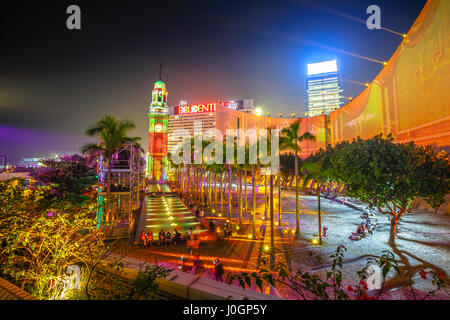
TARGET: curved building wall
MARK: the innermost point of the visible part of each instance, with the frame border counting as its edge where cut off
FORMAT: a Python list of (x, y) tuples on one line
[(410, 97)]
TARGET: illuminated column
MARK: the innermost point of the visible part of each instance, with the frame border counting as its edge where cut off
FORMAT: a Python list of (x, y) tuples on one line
[(157, 134)]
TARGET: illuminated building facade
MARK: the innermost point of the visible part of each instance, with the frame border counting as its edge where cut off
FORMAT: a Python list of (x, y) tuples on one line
[(323, 88), (201, 117), (157, 134)]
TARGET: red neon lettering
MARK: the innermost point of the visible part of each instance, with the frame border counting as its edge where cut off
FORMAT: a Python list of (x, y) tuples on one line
[(197, 108)]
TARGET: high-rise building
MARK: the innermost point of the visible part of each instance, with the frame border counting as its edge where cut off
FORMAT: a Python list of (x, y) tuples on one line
[(200, 118), (323, 88), (157, 134)]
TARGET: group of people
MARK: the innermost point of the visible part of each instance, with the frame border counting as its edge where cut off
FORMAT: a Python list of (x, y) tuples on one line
[(364, 228), (221, 231), (165, 238), (146, 239), (198, 268)]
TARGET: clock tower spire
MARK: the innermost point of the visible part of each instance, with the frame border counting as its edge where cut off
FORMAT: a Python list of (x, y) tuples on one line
[(157, 133)]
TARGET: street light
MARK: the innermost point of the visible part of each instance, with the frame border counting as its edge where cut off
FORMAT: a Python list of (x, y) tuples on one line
[(258, 111)]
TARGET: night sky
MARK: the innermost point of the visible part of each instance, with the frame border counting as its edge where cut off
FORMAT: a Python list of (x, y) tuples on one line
[(54, 82)]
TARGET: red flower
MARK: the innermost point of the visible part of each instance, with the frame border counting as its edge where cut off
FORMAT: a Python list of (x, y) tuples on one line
[(365, 287), (349, 288), (441, 275), (362, 282), (423, 274)]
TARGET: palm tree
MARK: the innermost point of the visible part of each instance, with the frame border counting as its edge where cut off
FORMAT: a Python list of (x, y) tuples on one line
[(315, 171), (112, 135), (290, 140), (253, 202), (272, 230), (229, 192)]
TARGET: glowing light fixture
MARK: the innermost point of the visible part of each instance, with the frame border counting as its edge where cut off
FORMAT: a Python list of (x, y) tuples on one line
[(322, 67)]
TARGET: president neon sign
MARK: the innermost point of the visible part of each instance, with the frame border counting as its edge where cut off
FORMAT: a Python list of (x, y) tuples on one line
[(196, 108)]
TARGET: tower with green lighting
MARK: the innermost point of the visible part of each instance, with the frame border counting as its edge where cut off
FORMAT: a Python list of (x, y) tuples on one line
[(157, 134)]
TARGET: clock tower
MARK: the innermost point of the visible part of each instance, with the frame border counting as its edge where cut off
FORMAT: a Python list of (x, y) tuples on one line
[(157, 134)]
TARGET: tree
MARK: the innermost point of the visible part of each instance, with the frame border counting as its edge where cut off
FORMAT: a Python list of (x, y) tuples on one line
[(321, 173), (391, 175), (112, 135), (290, 140), (69, 177), (39, 241)]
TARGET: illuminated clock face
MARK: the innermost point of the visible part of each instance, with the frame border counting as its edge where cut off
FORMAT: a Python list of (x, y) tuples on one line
[(158, 127)]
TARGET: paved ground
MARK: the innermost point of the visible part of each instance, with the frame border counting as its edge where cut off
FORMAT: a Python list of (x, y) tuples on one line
[(423, 240)]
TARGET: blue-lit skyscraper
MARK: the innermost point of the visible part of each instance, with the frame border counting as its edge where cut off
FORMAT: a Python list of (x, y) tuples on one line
[(323, 88)]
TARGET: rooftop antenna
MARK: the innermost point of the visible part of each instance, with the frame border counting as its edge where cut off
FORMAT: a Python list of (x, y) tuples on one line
[(160, 70)]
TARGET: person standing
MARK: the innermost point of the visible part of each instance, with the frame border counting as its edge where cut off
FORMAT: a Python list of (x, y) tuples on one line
[(168, 239), (197, 212), (149, 238), (142, 239), (176, 236), (218, 270), (197, 266), (162, 237)]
